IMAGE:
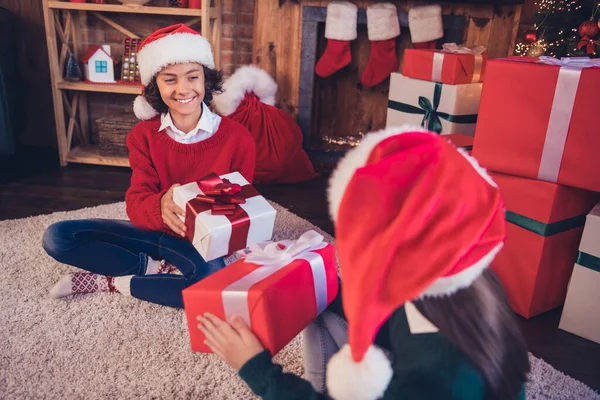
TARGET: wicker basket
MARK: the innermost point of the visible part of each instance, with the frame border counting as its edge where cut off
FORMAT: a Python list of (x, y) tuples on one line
[(112, 133)]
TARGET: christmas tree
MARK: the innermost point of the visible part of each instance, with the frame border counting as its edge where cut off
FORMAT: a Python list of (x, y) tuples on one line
[(563, 28), (73, 73)]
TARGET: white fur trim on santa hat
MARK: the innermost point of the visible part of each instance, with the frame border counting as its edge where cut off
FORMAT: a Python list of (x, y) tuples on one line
[(425, 23), (247, 79), (364, 380), (480, 170), (176, 48), (382, 21), (449, 285), (341, 21), (357, 158), (142, 109)]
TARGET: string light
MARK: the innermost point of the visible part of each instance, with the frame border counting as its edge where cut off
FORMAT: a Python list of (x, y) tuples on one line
[(557, 40), (352, 140)]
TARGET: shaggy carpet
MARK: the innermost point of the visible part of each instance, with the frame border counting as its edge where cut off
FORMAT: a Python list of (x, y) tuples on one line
[(102, 346)]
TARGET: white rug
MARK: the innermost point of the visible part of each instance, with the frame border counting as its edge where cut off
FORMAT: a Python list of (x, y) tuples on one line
[(103, 346)]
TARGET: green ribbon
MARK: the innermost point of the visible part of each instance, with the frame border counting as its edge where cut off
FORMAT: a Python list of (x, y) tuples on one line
[(588, 261), (543, 229), (431, 115)]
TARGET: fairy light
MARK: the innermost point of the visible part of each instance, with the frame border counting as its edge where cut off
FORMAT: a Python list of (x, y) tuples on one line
[(352, 140), (564, 41)]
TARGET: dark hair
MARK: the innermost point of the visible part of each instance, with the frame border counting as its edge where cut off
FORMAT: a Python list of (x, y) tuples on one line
[(213, 83), (480, 323)]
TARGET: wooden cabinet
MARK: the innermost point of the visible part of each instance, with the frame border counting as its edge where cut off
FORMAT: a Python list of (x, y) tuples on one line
[(63, 23)]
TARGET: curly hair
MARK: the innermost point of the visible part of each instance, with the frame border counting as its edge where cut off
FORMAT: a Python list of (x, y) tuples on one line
[(213, 84)]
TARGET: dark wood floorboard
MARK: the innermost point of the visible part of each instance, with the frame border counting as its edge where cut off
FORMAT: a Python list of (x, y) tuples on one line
[(33, 184)]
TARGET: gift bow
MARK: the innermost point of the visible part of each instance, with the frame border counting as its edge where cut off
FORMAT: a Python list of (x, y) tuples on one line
[(588, 43), (283, 251), (456, 49), (431, 116), (220, 193), (272, 257), (573, 62)]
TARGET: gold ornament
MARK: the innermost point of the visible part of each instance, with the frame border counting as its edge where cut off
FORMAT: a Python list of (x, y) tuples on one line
[(536, 51)]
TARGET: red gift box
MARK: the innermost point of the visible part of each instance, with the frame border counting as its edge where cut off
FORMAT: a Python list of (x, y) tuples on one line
[(544, 226), (278, 289), (461, 140), (539, 120), (445, 67)]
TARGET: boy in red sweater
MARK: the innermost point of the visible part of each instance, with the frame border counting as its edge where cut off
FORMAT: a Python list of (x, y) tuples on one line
[(178, 141)]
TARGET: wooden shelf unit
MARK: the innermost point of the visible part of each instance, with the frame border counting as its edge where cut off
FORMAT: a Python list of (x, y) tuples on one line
[(63, 21), (100, 87), (90, 154), (131, 9)]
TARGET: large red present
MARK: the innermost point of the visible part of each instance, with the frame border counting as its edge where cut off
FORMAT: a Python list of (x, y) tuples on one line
[(224, 214), (538, 119), (278, 289), (544, 226), (453, 65), (461, 140)]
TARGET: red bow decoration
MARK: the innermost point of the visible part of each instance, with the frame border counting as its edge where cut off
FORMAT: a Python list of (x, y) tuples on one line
[(220, 193), (589, 44)]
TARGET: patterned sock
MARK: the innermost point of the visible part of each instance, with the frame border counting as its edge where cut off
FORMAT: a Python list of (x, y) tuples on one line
[(87, 282), (159, 267), (83, 282)]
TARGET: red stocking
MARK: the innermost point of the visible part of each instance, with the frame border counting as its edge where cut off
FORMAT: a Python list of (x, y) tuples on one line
[(425, 24), (340, 29), (383, 27)]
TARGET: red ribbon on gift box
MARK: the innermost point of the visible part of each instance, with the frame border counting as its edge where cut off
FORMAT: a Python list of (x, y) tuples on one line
[(221, 197), (221, 194)]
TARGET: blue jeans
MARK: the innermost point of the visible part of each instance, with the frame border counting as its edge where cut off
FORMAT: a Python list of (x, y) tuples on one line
[(117, 248), (321, 340)]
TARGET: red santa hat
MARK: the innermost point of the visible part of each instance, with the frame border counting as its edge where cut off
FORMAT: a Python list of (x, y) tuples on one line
[(414, 217), (175, 44)]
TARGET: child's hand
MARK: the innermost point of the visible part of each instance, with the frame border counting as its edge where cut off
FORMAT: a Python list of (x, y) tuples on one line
[(170, 210), (234, 343)]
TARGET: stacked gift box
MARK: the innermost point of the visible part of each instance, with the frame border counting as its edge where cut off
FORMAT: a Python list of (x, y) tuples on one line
[(537, 134), (438, 89), (580, 314)]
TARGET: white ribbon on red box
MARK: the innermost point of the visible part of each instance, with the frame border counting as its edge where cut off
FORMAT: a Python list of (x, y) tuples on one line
[(453, 48), (273, 256), (560, 114)]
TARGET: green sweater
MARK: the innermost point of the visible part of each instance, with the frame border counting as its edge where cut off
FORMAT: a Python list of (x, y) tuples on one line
[(426, 366)]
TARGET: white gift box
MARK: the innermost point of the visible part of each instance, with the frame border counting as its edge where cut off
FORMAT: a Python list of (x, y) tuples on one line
[(212, 233), (418, 102), (580, 315)]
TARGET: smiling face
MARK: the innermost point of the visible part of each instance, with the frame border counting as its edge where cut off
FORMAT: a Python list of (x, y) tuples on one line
[(181, 87)]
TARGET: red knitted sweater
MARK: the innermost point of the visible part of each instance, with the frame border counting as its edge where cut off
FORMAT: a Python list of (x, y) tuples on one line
[(158, 162)]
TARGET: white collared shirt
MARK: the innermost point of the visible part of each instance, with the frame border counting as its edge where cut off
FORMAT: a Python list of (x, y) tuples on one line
[(207, 126)]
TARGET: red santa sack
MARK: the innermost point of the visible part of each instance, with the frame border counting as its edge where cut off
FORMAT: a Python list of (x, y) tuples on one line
[(248, 97)]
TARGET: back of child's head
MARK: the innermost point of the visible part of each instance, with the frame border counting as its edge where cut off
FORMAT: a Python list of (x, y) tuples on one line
[(418, 220), (480, 323), (176, 44)]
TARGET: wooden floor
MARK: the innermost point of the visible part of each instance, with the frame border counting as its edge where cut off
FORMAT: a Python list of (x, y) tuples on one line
[(33, 184)]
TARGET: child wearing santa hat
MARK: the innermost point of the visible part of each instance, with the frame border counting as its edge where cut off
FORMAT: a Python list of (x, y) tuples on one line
[(417, 224), (179, 140)]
